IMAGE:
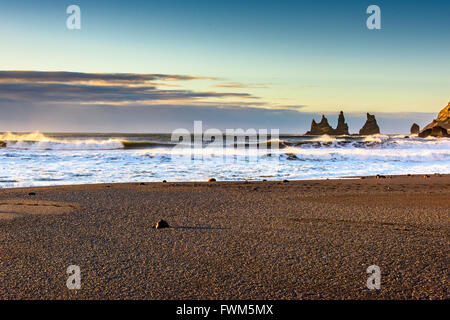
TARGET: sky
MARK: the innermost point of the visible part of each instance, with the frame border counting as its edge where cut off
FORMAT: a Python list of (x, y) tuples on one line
[(154, 66)]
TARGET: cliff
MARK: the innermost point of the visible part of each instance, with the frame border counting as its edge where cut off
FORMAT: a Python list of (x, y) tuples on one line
[(439, 127)]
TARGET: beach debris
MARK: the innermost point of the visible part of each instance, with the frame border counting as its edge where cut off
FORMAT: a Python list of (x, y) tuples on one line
[(32, 193), (426, 176), (161, 224), (380, 177), (212, 180)]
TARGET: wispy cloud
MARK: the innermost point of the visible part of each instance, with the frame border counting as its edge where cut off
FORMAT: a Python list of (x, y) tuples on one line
[(125, 89), (69, 77), (238, 85), (104, 88)]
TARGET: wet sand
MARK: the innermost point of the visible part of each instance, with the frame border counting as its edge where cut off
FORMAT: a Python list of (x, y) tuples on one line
[(229, 240)]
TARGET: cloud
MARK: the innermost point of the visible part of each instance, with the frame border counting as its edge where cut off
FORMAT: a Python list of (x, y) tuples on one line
[(68, 77), (238, 85), (102, 88), (71, 101)]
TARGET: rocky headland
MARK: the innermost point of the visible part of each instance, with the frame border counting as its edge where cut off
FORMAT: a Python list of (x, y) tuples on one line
[(439, 127)]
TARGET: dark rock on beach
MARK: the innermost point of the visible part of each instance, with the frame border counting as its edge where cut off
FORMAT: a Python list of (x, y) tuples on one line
[(440, 127), (370, 127), (161, 224)]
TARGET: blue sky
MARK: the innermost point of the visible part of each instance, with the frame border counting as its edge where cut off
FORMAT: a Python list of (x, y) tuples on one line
[(295, 59)]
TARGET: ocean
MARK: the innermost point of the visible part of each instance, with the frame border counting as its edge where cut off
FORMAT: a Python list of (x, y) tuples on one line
[(44, 159)]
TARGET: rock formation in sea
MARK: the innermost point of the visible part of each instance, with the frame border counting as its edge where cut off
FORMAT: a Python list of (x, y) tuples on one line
[(370, 127), (415, 128), (440, 127), (342, 127), (323, 127)]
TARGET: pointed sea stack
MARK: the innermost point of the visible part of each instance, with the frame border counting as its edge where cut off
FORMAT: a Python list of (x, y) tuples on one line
[(342, 127), (323, 127), (415, 128), (440, 127), (370, 127)]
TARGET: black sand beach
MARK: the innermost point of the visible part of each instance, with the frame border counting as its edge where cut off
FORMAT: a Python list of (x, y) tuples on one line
[(229, 240)]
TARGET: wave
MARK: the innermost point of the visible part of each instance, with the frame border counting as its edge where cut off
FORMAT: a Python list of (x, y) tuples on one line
[(145, 144), (324, 138), (39, 141), (378, 138)]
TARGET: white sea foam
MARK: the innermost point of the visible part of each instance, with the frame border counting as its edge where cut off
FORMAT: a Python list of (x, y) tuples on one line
[(38, 159), (324, 138), (378, 138), (38, 141)]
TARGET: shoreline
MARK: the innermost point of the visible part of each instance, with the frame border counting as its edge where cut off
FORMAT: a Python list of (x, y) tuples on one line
[(302, 239), (383, 176)]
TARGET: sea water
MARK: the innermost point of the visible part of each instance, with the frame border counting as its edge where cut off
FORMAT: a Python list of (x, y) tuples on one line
[(37, 159)]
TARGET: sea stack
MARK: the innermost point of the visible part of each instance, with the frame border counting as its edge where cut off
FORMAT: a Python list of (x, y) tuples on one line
[(342, 127), (323, 127), (370, 127), (440, 127), (415, 128)]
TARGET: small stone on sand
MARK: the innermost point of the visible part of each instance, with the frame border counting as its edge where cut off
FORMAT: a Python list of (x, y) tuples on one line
[(161, 224)]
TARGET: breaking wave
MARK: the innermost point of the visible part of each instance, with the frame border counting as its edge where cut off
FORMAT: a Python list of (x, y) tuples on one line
[(38, 141)]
